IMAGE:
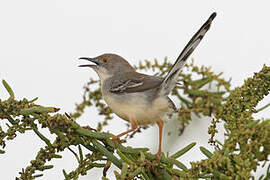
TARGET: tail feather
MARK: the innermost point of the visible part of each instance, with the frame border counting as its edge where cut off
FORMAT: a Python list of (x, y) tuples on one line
[(171, 79)]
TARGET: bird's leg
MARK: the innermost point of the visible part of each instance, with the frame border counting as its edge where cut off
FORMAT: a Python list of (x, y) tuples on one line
[(134, 126), (160, 125)]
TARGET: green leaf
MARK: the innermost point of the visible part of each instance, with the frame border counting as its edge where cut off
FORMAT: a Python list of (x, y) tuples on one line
[(107, 153), (80, 152), (124, 157), (8, 88), (206, 152), (183, 151), (124, 170)]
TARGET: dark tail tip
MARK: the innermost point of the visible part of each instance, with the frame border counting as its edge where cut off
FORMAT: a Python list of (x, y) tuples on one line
[(213, 15)]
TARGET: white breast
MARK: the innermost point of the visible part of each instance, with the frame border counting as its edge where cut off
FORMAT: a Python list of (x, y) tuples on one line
[(134, 106)]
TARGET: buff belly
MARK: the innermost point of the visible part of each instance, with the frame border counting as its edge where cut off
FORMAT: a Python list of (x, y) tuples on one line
[(135, 106)]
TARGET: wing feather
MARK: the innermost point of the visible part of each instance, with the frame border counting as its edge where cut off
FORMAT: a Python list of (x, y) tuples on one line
[(134, 82)]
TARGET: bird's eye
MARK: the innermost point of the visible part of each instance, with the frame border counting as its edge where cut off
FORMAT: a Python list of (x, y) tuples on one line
[(105, 61)]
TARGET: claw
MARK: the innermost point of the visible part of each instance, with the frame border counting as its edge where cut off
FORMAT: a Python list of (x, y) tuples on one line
[(158, 155), (115, 140)]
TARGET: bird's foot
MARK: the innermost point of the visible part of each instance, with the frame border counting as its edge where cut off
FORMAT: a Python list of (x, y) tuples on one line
[(115, 140), (158, 155)]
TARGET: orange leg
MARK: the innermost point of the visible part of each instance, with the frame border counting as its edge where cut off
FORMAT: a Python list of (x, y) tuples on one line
[(134, 126), (160, 125)]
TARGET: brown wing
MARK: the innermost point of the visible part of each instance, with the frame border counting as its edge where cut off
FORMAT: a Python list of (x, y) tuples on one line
[(134, 82)]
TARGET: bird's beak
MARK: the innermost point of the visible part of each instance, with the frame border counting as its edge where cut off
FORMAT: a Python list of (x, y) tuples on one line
[(94, 60)]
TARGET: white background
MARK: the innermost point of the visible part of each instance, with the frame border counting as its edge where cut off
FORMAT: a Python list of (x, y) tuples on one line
[(41, 41)]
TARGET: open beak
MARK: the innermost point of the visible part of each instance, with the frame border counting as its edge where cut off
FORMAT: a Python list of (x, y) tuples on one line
[(94, 60)]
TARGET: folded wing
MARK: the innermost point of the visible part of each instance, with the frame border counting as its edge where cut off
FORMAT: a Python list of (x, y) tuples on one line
[(134, 82)]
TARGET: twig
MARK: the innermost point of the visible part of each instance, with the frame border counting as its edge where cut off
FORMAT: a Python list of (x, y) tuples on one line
[(262, 108), (41, 136)]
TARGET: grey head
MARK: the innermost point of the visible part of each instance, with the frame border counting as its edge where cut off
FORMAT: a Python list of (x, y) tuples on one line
[(107, 65)]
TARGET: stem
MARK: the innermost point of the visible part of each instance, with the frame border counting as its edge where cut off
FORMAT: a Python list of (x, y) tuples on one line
[(88, 133), (76, 156), (107, 153), (41, 136), (262, 108), (9, 118)]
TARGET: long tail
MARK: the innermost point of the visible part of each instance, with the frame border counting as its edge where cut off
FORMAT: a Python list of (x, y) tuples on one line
[(170, 80)]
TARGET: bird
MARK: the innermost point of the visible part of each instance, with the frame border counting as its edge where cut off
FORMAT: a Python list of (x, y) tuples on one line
[(138, 98)]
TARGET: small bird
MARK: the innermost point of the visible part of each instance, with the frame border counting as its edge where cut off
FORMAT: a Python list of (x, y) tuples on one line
[(139, 98)]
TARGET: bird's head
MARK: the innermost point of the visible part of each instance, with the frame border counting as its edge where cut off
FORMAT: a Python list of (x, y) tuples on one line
[(107, 65)]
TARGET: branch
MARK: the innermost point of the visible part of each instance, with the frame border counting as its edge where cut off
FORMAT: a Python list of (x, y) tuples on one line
[(246, 144)]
